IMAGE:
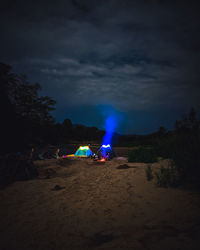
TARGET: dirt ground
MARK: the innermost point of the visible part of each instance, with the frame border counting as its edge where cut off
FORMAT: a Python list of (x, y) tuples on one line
[(82, 204)]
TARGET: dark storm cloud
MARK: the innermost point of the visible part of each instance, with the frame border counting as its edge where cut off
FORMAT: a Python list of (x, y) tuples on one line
[(133, 55)]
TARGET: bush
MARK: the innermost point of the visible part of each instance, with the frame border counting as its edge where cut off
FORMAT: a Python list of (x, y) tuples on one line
[(143, 154), (167, 176), (187, 157), (182, 146), (183, 149), (149, 173), (13, 168)]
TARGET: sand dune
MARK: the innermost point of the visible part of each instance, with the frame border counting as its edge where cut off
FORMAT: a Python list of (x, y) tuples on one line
[(81, 204)]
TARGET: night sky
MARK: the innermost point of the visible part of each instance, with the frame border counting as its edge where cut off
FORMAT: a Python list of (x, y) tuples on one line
[(136, 60)]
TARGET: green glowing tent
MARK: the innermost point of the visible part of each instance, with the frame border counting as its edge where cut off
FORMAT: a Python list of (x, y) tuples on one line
[(83, 151)]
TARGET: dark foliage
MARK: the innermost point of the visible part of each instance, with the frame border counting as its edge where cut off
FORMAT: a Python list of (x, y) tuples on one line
[(149, 173), (143, 154), (68, 132), (15, 167), (167, 176), (142, 140), (182, 146), (26, 117)]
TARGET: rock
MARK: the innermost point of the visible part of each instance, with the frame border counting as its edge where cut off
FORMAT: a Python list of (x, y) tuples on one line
[(57, 188), (124, 166)]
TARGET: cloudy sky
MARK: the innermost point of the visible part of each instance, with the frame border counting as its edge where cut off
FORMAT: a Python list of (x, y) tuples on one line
[(137, 60)]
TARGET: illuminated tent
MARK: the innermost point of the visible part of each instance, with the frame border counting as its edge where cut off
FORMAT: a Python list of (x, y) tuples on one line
[(106, 151), (83, 151)]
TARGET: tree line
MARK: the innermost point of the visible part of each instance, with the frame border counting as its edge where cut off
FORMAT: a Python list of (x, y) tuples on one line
[(26, 118)]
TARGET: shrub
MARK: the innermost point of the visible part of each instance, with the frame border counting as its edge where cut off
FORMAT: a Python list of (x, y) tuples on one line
[(13, 168), (143, 154), (167, 176), (183, 149), (149, 173)]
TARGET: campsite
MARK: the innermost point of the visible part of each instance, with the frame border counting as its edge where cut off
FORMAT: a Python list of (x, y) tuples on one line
[(69, 186), (100, 125)]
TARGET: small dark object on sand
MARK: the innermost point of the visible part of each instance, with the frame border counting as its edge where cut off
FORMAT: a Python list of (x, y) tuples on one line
[(57, 188), (100, 239), (125, 166)]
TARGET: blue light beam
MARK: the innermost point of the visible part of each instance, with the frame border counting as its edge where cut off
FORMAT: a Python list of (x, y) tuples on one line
[(110, 126)]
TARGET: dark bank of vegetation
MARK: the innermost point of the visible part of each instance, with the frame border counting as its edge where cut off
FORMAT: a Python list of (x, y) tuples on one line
[(26, 118), (143, 154), (26, 122), (181, 145)]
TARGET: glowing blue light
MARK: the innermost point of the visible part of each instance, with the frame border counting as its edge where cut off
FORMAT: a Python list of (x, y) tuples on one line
[(106, 146), (110, 128)]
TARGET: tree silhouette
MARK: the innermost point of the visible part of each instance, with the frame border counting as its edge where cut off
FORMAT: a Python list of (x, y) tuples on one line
[(24, 114)]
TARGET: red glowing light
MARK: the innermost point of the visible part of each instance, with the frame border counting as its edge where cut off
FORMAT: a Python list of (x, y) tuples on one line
[(102, 160), (64, 156)]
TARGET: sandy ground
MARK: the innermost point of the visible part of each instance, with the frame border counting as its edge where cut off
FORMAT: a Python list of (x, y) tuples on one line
[(97, 207)]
